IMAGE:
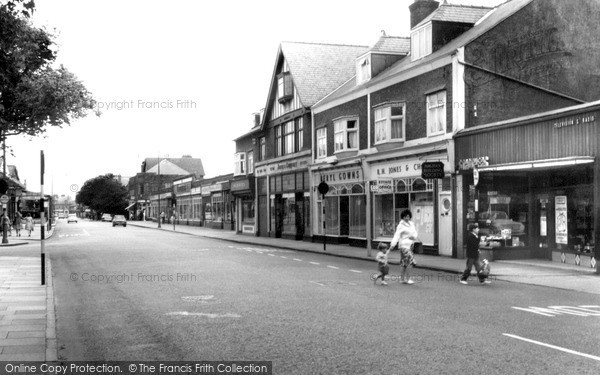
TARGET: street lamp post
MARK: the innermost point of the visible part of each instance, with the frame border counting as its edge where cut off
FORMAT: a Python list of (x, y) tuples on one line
[(159, 214)]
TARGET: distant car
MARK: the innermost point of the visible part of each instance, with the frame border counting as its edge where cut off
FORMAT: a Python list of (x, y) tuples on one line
[(106, 217), (62, 216), (71, 217), (119, 220), (493, 222)]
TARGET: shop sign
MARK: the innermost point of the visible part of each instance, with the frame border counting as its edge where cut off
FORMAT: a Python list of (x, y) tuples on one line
[(500, 199), (205, 190), (215, 187), (287, 166), (240, 185), (383, 186), (574, 120), (562, 232), (471, 163), (432, 170), (341, 176), (402, 169)]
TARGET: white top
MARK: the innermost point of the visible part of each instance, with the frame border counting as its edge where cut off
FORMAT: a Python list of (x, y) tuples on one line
[(405, 235)]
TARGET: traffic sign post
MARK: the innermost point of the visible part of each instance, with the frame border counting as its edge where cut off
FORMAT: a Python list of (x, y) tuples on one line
[(323, 189), (5, 221)]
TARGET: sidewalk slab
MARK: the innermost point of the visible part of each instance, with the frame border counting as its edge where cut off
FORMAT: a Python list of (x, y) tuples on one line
[(534, 271)]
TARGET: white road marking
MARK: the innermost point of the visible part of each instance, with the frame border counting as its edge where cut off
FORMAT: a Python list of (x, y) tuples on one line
[(259, 252), (210, 316), (554, 347), (86, 233), (283, 257), (198, 298), (356, 271), (231, 247), (271, 255), (298, 260), (315, 263), (552, 311), (334, 267), (314, 282)]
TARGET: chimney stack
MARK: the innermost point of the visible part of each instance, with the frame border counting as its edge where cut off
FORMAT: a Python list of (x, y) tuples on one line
[(420, 9)]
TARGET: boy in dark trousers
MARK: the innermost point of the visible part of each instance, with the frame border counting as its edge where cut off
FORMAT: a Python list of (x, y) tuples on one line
[(382, 262), (473, 256)]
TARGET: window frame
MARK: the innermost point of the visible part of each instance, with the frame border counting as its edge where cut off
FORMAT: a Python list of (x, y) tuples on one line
[(344, 132), (421, 42), (262, 148), (279, 140), (289, 136), (386, 122), (299, 133), (285, 90), (240, 161), (433, 112), (321, 141)]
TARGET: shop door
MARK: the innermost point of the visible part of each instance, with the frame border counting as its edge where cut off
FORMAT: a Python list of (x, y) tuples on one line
[(300, 209), (263, 229), (278, 215), (445, 228), (344, 216)]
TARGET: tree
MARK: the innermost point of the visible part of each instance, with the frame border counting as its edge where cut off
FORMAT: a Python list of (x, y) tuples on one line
[(103, 194), (33, 93)]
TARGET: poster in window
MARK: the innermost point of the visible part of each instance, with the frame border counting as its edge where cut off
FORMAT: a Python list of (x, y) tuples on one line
[(562, 233)]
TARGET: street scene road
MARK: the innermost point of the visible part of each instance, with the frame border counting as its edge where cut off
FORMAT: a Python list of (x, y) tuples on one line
[(140, 294)]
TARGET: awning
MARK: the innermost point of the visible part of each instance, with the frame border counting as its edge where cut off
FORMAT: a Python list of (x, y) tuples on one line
[(131, 205), (538, 164)]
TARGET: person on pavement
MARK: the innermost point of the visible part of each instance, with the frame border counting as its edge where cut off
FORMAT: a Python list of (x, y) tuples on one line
[(18, 221), (382, 262), (404, 238), (29, 224), (473, 255)]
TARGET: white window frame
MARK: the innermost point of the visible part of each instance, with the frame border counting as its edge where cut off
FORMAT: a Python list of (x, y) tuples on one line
[(383, 123), (436, 113), (289, 138), (321, 143), (421, 42), (342, 134), (300, 133), (363, 69), (250, 162), (240, 162)]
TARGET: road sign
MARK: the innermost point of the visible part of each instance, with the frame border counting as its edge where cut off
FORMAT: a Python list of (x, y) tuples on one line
[(4, 199), (323, 187)]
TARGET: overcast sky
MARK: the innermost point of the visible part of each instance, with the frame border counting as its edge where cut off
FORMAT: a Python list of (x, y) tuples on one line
[(179, 77)]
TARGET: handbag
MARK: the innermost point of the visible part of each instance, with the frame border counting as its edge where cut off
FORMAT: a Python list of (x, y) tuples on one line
[(485, 268)]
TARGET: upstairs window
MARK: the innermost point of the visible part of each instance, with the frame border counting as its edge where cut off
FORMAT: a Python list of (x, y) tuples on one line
[(278, 141), (390, 123), (285, 90), (321, 143), (288, 138), (436, 113), (363, 70), (250, 162), (300, 133), (240, 163), (345, 135), (262, 148), (420, 42)]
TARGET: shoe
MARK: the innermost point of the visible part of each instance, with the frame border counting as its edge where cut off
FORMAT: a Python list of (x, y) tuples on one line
[(464, 282), (485, 282), (383, 283)]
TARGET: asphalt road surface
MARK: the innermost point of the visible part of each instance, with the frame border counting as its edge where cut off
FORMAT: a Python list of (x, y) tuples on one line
[(142, 294)]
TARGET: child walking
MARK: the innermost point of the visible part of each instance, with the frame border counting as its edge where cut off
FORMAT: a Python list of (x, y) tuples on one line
[(382, 262)]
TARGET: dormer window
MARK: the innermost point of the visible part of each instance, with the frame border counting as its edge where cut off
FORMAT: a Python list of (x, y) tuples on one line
[(285, 90), (363, 69), (421, 42)]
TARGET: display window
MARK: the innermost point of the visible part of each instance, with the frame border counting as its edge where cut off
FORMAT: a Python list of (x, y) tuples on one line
[(217, 207), (415, 194), (345, 211), (248, 211)]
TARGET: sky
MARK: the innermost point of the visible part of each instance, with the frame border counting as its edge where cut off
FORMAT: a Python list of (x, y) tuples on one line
[(178, 77)]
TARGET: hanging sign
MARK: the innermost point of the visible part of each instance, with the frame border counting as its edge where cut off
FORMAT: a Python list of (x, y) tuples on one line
[(562, 232), (432, 169)]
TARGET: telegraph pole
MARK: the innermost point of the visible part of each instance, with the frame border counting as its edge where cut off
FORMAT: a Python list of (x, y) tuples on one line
[(42, 226)]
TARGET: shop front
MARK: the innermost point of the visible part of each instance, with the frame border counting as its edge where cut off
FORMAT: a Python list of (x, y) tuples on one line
[(531, 183), (344, 205), (288, 191), (396, 185), (218, 206), (242, 190)]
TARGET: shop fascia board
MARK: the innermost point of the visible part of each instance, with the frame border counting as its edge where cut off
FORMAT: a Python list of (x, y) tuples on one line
[(439, 147), (538, 164)]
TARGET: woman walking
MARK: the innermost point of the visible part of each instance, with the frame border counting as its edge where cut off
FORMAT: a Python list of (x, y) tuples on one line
[(405, 236), (29, 224), (18, 221)]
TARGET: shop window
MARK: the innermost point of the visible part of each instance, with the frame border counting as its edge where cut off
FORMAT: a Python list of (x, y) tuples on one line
[(289, 214), (401, 186), (332, 215), (358, 216), (419, 185), (357, 189)]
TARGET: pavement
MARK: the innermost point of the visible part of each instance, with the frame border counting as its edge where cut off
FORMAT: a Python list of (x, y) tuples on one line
[(27, 314)]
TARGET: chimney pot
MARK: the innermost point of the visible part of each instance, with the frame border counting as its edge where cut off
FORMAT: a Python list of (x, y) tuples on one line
[(420, 9)]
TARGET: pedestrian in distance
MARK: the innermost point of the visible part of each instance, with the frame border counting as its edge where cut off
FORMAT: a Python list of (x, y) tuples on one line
[(473, 256), (405, 236), (29, 224), (18, 222), (382, 262)]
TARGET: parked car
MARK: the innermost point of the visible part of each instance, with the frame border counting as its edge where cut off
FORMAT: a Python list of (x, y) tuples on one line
[(493, 222), (71, 217), (106, 217), (119, 220)]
